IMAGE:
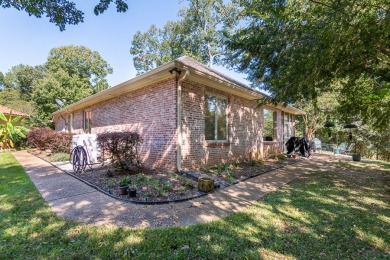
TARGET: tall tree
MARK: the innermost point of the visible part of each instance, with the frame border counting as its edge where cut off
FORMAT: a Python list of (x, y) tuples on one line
[(317, 112), (71, 74), (17, 88), (1, 80), (157, 46), (60, 12), (12, 98), (299, 49), (81, 62), (199, 33), (208, 22), (21, 79)]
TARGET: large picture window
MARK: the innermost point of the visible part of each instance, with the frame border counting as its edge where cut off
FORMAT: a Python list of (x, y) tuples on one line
[(268, 133), (215, 118)]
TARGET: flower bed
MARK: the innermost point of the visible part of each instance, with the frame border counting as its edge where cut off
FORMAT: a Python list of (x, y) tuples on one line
[(151, 185), (236, 172), (159, 185)]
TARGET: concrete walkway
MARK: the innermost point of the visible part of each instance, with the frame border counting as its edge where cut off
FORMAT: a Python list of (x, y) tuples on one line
[(76, 201)]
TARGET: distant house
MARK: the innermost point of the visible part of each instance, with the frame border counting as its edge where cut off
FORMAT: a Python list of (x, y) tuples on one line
[(7, 112), (189, 115)]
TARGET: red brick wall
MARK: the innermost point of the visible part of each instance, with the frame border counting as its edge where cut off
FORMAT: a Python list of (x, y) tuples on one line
[(151, 111), (244, 128)]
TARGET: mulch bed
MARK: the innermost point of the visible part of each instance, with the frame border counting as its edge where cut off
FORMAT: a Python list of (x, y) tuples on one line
[(159, 185), (233, 173), (152, 185)]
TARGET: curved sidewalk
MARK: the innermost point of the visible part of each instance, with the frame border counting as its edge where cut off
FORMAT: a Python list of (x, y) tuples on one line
[(76, 201)]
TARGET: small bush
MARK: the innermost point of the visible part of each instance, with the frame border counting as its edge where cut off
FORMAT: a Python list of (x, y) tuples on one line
[(123, 147), (167, 187), (272, 154), (46, 138), (59, 157), (125, 181)]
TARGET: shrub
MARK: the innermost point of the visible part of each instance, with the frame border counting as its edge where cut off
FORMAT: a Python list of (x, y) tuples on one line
[(59, 157), (281, 157), (46, 138), (123, 147), (125, 181), (10, 133)]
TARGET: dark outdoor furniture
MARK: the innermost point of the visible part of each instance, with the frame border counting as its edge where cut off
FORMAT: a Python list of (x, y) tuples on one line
[(298, 144)]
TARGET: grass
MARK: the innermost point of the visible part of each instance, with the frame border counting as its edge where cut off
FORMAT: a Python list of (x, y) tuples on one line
[(59, 157), (340, 213)]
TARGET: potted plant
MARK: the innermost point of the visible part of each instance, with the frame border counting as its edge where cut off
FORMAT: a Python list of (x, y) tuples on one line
[(123, 185), (132, 190), (356, 155)]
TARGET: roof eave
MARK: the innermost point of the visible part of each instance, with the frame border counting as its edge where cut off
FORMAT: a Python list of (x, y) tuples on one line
[(228, 86), (125, 87)]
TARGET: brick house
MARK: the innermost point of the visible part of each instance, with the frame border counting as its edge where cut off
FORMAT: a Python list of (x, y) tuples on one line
[(189, 115)]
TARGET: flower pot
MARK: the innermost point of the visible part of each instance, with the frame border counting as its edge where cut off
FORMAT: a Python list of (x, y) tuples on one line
[(356, 157), (205, 184), (123, 190), (132, 193)]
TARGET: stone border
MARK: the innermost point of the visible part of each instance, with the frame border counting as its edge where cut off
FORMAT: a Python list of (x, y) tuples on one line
[(161, 201)]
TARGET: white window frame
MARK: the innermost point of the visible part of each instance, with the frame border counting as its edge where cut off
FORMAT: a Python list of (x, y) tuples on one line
[(216, 120)]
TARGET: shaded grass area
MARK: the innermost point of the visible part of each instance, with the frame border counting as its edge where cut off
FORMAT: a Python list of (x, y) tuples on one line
[(342, 212)]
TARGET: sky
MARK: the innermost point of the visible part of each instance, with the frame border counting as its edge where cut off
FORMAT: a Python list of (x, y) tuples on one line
[(27, 40)]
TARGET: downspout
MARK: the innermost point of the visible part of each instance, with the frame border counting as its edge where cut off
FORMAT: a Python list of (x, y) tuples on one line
[(179, 110)]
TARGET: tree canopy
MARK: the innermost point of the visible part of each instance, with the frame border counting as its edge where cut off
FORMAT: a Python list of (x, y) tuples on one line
[(158, 46), (60, 12), (21, 79), (199, 33), (71, 74), (299, 49), (1, 80), (81, 62)]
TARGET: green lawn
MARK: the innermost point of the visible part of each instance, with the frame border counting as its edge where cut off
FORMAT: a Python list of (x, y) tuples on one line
[(339, 214)]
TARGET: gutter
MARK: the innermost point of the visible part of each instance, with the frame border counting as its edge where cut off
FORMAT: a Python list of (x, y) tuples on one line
[(110, 92), (179, 110), (250, 93)]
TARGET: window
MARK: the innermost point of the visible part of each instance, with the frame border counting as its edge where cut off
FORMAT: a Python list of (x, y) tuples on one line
[(87, 120), (215, 118), (70, 123), (268, 134), (287, 129)]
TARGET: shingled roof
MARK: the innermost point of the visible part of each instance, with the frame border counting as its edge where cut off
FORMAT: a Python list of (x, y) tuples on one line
[(187, 61), (5, 110), (163, 72)]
